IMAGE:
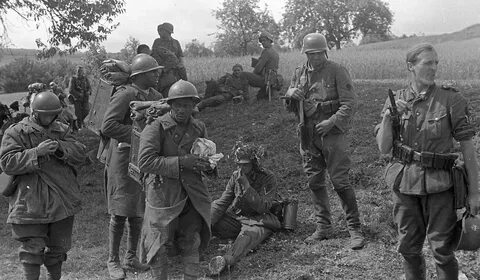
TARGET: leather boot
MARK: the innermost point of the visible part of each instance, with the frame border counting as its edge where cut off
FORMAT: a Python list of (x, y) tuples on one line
[(54, 272), (31, 271), (131, 261), (191, 267), (159, 267), (414, 266), (115, 270), (447, 271), (352, 216), (322, 214)]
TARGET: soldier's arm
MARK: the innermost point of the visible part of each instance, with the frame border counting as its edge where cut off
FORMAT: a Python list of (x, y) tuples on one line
[(290, 104), (346, 97), (150, 154), (384, 132), (220, 206), (117, 109), (70, 150), (262, 61), (15, 157), (262, 202)]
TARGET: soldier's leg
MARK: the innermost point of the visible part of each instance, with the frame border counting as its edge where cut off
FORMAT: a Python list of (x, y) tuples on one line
[(159, 265), (115, 233), (314, 167), (31, 251), (441, 233), (134, 226), (188, 238), (409, 217), (227, 227), (249, 238), (211, 102), (58, 244), (338, 165)]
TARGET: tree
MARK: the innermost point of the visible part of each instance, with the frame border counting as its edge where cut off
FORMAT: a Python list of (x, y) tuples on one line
[(240, 23), (197, 49), (72, 24), (129, 49), (93, 59), (339, 20)]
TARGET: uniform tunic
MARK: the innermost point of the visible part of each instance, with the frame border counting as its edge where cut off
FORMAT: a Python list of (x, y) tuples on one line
[(125, 196), (170, 188)]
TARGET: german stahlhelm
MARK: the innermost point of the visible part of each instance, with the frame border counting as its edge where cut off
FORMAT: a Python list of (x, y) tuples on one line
[(470, 233), (143, 63), (314, 42), (46, 103), (266, 35), (182, 89), (166, 26)]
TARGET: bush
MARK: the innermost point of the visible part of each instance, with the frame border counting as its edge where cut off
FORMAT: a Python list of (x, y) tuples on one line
[(18, 74)]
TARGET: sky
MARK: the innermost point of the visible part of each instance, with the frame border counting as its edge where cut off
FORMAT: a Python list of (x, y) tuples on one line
[(194, 19)]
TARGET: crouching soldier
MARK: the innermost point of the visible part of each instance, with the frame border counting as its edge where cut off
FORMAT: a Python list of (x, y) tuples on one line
[(41, 154), (243, 211), (178, 203), (126, 199)]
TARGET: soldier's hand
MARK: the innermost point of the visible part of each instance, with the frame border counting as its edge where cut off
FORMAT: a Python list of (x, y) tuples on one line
[(402, 106), (47, 147), (474, 203), (324, 127), (294, 93), (194, 163)]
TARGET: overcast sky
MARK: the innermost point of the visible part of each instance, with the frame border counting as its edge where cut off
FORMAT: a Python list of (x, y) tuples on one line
[(193, 19)]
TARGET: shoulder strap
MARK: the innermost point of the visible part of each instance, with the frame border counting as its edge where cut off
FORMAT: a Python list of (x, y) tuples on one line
[(43, 130)]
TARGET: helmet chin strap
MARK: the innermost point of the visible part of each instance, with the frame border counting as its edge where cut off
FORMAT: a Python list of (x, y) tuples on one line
[(37, 119)]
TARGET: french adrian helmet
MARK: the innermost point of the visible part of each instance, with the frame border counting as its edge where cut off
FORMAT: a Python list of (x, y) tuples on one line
[(46, 103)]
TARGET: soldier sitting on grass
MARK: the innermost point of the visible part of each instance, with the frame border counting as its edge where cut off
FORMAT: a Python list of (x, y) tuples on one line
[(231, 86)]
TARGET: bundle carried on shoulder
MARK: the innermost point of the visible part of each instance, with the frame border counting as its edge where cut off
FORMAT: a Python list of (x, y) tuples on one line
[(115, 72), (150, 110)]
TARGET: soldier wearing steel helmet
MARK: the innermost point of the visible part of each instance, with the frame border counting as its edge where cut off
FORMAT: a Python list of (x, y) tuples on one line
[(265, 67), (42, 156), (321, 94), (125, 196), (177, 214), (431, 118), (80, 89), (168, 52)]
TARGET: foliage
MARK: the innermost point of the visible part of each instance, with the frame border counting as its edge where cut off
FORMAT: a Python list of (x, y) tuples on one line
[(339, 20), (93, 59), (18, 74), (240, 24), (197, 49), (129, 49), (73, 24)]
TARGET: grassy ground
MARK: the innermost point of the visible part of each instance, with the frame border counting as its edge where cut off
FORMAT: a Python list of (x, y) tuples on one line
[(283, 255)]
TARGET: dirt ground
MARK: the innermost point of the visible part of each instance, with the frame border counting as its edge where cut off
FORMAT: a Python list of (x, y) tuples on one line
[(283, 255)]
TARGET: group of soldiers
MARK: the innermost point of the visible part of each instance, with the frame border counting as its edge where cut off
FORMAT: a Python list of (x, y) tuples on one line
[(170, 212)]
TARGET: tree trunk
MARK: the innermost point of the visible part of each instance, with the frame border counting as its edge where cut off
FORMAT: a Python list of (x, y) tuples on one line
[(337, 45)]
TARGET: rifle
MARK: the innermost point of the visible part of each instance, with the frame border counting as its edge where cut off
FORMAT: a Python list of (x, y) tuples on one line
[(269, 86), (395, 117)]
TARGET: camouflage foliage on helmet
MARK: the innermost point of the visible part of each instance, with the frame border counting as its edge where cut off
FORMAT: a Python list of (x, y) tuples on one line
[(247, 152)]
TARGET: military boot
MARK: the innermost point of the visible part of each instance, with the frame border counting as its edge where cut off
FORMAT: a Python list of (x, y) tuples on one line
[(414, 266), (115, 270), (447, 271), (54, 272), (322, 214), (131, 261), (31, 271), (349, 205), (322, 232)]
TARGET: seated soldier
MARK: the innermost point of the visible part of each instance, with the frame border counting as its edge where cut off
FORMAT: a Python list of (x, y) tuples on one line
[(243, 210), (229, 86)]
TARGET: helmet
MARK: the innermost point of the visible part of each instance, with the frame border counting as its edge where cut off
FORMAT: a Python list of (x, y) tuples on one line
[(247, 153), (314, 42), (47, 103), (166, 26), (470, 233), (265, 34), (182, 89), (143, 63)]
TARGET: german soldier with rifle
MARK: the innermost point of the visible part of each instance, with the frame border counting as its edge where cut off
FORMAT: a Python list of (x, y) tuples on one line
[(321, 95), (419, 128)]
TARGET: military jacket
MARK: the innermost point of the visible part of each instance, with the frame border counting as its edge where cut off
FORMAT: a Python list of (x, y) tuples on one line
[(79, 87), (268, 60), (430, 124), (47, 187)]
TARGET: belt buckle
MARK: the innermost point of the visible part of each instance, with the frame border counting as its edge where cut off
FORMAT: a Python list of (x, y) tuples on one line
[(427, 159)]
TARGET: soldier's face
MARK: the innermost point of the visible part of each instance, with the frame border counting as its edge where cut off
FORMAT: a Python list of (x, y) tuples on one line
[(45, 120), (316, 59), (236, 71), (182, 109), (266, 43), (245, 168), (151, 78), (425, 68)]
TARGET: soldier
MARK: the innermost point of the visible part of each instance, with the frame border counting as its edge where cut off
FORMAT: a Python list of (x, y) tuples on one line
[(321, 95), (234, 86), (431, 118), (265, 67), (126, 200), (243, 211), (42, 155), (168, 52), (142, 48), (178, 203), (79, 88)]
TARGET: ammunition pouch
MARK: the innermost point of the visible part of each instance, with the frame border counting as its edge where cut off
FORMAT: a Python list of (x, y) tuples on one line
[(406, 154), (460, 184), (329, 107)]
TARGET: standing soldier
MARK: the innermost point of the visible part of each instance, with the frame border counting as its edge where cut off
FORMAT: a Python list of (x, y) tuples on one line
[(431, 117), (58, 92), (265, 67), (42, 155), (168, 52), (126, 200), (79, 88), (178, 203), (321, 95)]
